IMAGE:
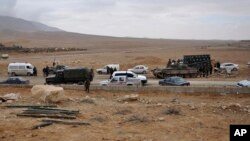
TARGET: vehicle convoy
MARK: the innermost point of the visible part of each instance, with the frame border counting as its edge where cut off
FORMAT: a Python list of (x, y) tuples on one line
[(20, 69), (106, 69), (174, 81), (121, 81), (139, 69), (131, 76), (71, 75), (189, 68)]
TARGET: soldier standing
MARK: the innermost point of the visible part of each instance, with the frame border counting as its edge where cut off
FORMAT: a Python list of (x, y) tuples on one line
[(87, 84)]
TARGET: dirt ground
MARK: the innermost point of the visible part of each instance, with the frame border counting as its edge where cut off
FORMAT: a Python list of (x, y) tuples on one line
[(194, 117)]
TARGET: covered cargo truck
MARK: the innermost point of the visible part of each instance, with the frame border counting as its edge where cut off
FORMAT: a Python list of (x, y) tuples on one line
[(71, 75)]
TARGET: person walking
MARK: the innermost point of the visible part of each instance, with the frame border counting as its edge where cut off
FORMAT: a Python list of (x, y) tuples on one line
[(87, 85)]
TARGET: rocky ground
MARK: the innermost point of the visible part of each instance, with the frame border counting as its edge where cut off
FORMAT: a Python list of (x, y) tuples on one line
[(148, 116)]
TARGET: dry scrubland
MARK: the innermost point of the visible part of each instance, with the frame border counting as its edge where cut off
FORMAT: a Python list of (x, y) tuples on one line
[(156, 116)]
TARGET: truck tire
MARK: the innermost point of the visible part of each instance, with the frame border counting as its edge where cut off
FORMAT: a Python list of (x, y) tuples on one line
[(28, 74), (99, 72), (13, 74), (80, 83)]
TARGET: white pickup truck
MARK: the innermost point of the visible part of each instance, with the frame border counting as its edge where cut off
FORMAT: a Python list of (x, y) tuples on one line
[(121, 81)]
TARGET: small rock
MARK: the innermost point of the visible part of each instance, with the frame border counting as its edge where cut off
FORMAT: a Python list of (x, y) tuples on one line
[(132, 97), (193, 107), (159, 104), (161, 118), (223, 107)]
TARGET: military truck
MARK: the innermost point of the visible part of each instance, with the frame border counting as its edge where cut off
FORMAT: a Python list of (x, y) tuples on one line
[(181, 70), (71, 75), (191, 67)]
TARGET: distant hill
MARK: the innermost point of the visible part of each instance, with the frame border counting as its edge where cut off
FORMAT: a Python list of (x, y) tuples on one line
[(32, 34), (16, 24)]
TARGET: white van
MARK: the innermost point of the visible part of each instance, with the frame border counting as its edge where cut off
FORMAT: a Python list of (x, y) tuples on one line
[(20, 69), (104, 70)]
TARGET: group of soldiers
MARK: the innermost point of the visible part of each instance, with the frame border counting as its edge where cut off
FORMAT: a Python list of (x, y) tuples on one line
[(205, 69), (172, 62)]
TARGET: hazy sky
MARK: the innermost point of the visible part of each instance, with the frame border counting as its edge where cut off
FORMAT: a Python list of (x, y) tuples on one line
[(178, 19)]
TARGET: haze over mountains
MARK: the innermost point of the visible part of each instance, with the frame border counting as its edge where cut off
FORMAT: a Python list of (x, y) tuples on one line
[(34, 34), (16, 24)]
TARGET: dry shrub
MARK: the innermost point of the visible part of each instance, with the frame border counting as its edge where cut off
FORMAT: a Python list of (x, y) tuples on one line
[(137, 119), (123, 112), (171, 111), (88, 100)]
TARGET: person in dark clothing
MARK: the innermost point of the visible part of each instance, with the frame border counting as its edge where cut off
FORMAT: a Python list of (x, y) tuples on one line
[(47, 71), (35, 71), (87, 85), (115, 69), (44, 72), (111, 72), (108, 70), (169, 63)]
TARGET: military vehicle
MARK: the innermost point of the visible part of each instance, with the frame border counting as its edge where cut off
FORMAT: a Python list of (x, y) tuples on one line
[(181, 70), (191, 67), (71, 75)]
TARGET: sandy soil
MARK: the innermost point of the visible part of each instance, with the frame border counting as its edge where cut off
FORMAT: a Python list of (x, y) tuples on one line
[(200, 117)]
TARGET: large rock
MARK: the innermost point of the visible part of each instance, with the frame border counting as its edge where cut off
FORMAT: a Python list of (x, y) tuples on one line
[(48, 93)]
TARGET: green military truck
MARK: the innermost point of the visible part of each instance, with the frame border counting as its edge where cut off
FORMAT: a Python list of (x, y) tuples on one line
[(71, 75)]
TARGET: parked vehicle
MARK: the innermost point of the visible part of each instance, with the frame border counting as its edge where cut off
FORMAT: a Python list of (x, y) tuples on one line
[(121, 81), (70, 75), (139, 69), (230, 66), (15, 80), (131, 75), (106, 68), (244, 83), (20, 69), (174, 81)]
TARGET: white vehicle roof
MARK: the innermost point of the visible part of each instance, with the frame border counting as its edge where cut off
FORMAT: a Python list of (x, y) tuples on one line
[(123, 72), (20, 64)]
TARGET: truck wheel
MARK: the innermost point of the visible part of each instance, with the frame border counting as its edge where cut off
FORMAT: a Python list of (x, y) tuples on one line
[(80, 83), (99, 72), (28, 74)]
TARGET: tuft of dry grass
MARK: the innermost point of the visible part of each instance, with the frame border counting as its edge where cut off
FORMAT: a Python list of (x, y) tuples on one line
[(171, 111)]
